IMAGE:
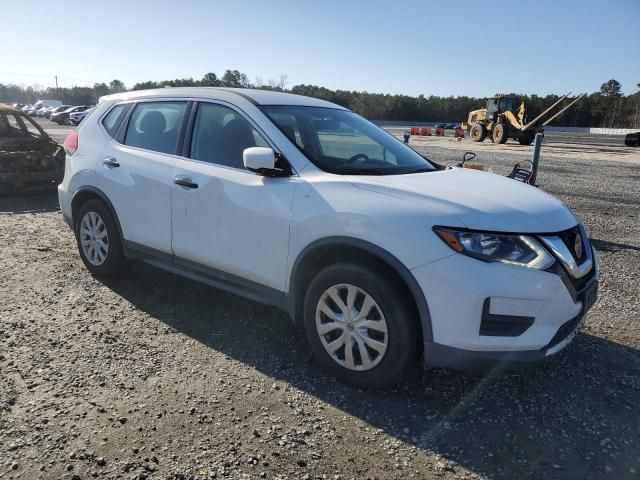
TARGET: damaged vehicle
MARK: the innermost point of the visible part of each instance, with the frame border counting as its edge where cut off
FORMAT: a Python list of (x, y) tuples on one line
[(29, 158)]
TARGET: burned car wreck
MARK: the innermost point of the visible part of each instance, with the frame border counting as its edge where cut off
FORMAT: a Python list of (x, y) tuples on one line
[(29, 158)]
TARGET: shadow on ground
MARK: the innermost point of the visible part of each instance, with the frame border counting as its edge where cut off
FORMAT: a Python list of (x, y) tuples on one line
[(37, 202), (612, 247), (576, 416)]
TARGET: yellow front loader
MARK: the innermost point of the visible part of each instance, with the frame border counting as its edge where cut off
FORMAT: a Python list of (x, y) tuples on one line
[(503, 119)]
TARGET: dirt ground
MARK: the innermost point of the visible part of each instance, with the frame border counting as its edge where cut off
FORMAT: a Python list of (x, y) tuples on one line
[(555, 144), (155, 376)]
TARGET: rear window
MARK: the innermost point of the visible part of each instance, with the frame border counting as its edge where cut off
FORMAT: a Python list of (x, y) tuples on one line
[(155, 126), (112, 121)]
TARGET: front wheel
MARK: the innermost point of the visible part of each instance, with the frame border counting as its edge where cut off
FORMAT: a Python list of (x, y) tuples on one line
[(478, 132), (361, 327)]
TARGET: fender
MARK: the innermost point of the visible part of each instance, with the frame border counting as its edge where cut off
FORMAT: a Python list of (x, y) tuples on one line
[(100, 194), (388, 258)]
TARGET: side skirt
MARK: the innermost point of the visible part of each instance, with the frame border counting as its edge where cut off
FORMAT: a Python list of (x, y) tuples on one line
[(209, 276)]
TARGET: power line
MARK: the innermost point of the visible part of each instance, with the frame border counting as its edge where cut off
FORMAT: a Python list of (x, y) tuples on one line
[(14, 74)]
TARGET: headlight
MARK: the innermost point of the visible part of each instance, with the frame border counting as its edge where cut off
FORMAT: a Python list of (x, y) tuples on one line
[(493, 247)]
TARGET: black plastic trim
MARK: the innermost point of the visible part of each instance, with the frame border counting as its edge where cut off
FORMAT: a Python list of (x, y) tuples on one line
[(495, 325), (208, 275), (397, 265), (188, 130), (246, 97), (124, 123), (438, 355), (186, 117)]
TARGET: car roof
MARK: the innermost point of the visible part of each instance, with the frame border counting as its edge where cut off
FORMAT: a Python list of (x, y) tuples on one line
[(253, 95)]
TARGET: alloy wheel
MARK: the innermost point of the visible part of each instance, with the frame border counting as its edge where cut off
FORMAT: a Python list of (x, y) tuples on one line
[(94, 238)]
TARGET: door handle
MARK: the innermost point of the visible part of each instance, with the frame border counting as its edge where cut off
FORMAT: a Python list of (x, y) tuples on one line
[(185, 182), (111, 162)]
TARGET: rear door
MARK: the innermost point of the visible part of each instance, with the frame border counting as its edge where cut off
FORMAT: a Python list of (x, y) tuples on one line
[(135, 171)]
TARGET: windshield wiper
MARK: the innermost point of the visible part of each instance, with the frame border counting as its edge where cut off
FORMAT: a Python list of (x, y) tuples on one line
[(420, 170), (360, 171)]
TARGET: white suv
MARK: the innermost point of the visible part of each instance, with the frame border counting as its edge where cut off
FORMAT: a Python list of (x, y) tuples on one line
[(381, 254)]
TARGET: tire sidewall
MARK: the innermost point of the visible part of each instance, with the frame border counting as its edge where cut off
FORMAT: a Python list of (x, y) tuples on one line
[(403, 331)]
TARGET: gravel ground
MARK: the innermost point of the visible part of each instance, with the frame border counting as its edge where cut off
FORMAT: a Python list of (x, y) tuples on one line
[(155, 376)]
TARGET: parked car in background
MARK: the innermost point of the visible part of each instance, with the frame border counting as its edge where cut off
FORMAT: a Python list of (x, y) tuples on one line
[(30, 109), (76, 117), (40, 112), (51, 110), (450, 126), (381, 255), (62, 117), (45, 112), (29, 159), (441, 125), (40, 104)]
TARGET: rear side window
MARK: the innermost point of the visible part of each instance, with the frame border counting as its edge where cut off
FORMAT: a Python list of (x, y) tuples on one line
[(113, 118), (155, 126), (221, 134)]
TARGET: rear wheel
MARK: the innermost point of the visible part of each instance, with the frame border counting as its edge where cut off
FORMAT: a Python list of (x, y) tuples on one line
[(98, 240), (500, 134), (361, 327), (478, 132), (525, 138)]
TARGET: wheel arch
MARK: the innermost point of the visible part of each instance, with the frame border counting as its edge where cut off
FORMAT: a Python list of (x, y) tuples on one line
[(333, 249), (87, 192)]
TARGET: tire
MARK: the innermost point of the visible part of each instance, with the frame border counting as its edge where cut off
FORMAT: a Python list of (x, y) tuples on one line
[(525, 139), (500, 133), (111, 261), (392, 310), (478, 132)]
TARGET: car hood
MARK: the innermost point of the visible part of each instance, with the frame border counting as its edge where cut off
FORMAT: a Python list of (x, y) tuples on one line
[(479, 200)]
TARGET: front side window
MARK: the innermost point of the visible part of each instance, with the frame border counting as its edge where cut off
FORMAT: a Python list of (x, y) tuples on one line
[(155, 126), (339, 141), (220, 135)]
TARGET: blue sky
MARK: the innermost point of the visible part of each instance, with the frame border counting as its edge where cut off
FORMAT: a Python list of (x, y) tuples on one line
[(433, 48)]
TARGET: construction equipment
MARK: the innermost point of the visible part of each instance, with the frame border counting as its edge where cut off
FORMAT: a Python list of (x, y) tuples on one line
[(503, 119)]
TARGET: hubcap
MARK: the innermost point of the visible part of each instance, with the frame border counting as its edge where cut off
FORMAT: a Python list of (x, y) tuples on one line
[(94, 239), (351, 327)]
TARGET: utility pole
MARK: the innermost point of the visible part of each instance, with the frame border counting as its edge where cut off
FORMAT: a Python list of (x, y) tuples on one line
[(57, 89)]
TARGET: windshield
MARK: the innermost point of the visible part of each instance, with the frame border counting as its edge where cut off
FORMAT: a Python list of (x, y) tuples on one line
[(342, 142), (507, 104)]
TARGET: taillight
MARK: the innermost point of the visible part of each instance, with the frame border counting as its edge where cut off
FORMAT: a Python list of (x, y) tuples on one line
[(71, 143)]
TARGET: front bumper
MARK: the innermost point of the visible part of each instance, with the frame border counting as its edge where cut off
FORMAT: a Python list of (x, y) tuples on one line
[(438, 355), (461, 290)]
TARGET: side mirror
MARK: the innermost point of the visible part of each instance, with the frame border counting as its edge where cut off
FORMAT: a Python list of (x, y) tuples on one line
[(466, 157), (262, 160)]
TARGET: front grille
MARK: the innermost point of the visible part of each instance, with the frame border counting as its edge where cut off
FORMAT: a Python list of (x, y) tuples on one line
[(568, 237)]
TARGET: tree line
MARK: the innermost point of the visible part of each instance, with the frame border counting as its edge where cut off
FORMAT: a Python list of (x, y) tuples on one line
[(607, 107)]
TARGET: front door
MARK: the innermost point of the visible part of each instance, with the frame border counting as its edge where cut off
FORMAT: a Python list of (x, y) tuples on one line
[(225, 217)]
